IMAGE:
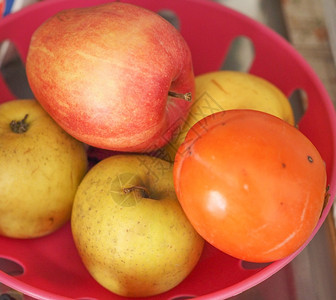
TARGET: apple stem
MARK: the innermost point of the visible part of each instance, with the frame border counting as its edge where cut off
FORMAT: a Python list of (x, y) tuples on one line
[(186, 96), (144, 192), (19, 126)]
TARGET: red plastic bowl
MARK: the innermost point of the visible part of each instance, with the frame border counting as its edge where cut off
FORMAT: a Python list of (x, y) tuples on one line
[(52, 267)]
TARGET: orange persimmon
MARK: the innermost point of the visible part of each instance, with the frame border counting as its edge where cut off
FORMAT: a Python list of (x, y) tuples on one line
[(251, 184)]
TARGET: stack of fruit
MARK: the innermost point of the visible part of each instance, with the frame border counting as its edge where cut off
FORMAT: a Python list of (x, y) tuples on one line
[(214, 158)]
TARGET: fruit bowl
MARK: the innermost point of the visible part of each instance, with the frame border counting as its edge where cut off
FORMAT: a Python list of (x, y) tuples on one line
[(51, 266)]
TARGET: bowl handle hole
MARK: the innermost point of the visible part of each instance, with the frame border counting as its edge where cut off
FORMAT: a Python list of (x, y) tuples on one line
[(10, 267), (240, 55), (13, 71), (171, 17), (252, 265), (299, 102)]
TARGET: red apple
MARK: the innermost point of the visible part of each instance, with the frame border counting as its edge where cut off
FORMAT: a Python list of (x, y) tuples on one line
[(109, 74)]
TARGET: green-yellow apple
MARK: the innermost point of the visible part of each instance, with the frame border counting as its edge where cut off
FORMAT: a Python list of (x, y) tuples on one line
[(129, 228), (115, 76), (224, 90), (41, 167)]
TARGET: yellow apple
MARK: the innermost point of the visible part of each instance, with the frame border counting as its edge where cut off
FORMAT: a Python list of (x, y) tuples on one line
[(225, 90), (130, 229), (41, 167)]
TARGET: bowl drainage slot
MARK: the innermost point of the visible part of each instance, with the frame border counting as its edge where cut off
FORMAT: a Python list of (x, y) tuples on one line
[(10, 267)]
